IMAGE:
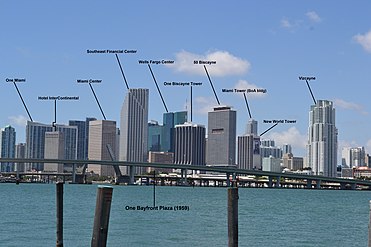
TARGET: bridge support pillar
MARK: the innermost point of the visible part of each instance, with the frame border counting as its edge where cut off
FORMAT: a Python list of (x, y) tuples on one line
[(277, 185), (318, 184), (353, 186), (270, 182), (228, 181), (342, 186), (131, 175), (309, 183), (74, 173)]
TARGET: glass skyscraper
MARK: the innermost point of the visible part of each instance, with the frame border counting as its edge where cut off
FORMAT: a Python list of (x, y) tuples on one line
[(7, 147), (35, 142)]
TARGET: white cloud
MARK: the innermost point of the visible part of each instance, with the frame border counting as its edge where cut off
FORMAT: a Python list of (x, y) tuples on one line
[(364, 40), (206, 103), (291, 136), (226, 63), (313, 16), (349, 106), (19, 120), (242, 84), (285, 23)]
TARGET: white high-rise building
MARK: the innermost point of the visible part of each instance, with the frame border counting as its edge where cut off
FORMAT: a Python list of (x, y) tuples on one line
[(322, 139), (134, 128), (353, 157)]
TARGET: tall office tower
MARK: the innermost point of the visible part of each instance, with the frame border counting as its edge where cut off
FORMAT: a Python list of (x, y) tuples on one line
[(248, 148), (82, 137), (20, 152), (102, 136), (134, 128), (170, 120), (268, 148), (155, 135), (252, 127), (161, 137), (54, 149), (35, 142), (190, 144), (248, 156), (221, 140), (7, 147), (322, 139), (286, 149)]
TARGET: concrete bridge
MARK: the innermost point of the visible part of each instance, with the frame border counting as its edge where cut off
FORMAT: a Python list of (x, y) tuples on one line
[(232, 173)]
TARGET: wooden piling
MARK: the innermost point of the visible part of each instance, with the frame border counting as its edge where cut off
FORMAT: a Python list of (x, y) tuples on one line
[(233, 217), (59, 189), (101, 218)]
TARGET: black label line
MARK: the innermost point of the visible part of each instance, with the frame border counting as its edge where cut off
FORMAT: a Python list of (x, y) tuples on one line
[(154, 187), (24, 104), (54, 124), (310, 90), (208, 76), (247, 104), (95, 96), (191, 103), (122, 71), (269, 129), (158, 89)]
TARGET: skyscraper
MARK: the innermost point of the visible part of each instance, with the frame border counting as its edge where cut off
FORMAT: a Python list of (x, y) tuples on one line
[(353, 157), (7, 147), (82, 137), (102, 133), (134, 127), (54, 149), (322, 139), (190, 144), (35, 142), (20, 152), (252, 127), (248, 148), (221, 142), (161, 137)]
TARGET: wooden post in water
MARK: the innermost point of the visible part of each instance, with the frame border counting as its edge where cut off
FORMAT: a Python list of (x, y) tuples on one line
[(369, 227), (233, 217), (101, 218), (59, 187)]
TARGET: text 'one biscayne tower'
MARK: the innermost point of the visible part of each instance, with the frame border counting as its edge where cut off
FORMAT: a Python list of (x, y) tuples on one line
[(322, 139)]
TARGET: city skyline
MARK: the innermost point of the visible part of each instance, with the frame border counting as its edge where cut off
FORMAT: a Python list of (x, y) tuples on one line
[(269, 52)]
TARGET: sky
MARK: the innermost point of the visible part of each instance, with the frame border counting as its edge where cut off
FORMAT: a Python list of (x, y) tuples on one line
[(256, 45)]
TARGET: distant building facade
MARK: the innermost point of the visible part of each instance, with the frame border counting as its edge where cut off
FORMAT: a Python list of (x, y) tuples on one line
[(7, 147), (102, 136), (54, 149), (221, 134), (134, 128), (35, 142), (322, 139), (190, 144)]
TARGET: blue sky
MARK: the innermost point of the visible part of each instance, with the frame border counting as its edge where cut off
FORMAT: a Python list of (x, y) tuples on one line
[(262, 44)]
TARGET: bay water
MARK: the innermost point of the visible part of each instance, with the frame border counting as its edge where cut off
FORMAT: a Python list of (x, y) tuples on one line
[(267, 217)]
